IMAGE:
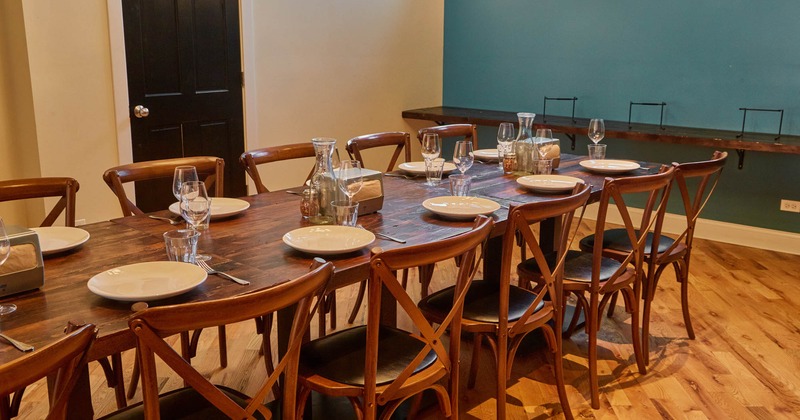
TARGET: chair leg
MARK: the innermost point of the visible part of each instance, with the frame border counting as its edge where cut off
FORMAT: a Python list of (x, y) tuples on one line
[(119, 382), (328, 306), (477, 340), (223, 346), (558, 366), (502, 365), (684, 279), (134, 377), (591, 325), (362, 289), (425, 276), (633, 303), (612, 304)]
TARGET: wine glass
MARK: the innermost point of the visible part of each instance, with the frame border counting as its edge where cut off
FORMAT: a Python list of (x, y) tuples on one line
[(182, 174), (463, 156), (597, 130), (431, 147), (349, 178), (5, 250), (505, 135), (195, 206)]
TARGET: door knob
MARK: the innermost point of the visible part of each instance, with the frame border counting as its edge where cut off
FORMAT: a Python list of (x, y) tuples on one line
[(140, 111)]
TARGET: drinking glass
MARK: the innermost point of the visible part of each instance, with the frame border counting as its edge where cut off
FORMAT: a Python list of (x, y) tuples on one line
[(597, 130), (431, 149), (505, 135), (349, 178), (182, 174), (463, 156), (195, 206), (5, 250)]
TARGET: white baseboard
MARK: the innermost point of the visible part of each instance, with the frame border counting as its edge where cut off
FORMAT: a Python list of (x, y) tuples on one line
[(769, 239)]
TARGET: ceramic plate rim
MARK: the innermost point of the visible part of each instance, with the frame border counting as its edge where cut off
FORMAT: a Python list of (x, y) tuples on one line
[(243, 205), (409, 168), (590, 164), (543, 187), (199, 277), (486, 154), (55, 229), (368, 238), (493, 205)]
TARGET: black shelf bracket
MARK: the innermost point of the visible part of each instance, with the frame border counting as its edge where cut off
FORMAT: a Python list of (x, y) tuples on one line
[(544, 110), (744, 118), (572, 138), (660, 120), (740, 152)]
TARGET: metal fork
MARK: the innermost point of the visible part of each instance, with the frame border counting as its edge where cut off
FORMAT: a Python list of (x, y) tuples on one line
[(204, 265), (173, 221), (18, 344)]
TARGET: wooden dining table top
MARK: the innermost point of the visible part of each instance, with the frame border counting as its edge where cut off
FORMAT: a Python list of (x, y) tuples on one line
[(248, 245)]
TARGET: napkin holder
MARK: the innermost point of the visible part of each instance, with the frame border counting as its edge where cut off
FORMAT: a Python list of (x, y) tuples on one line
[(24, 268), (370, 197)]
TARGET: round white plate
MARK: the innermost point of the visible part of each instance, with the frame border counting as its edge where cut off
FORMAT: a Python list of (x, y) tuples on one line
[(610, 166), (147, 281), (460, 208), (328, 239), (487, 154), (418, 168), (54, 239), (548, 183), (221, 207)]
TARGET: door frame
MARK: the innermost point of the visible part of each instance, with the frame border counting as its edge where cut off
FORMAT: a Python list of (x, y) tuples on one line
[(120, 82)]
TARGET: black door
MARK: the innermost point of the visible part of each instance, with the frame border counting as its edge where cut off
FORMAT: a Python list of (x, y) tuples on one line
[(184, 67)]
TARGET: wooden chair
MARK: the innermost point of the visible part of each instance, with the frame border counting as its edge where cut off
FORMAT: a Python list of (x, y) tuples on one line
[(213, 168), (504, 313), (599, 277), (64, 359), (201, 399), (380, 365), (459, 131), (250, 160), (696, 182), (66, 188), (399, 139)]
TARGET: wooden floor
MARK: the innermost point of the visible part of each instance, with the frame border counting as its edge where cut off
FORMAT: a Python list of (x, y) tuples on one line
[(745, 362)]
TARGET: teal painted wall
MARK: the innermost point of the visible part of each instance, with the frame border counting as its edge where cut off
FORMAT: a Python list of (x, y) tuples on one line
[(705, 58)]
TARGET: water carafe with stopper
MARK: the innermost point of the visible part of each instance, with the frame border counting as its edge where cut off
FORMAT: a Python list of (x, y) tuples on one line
[(323, 185), (523, 145)]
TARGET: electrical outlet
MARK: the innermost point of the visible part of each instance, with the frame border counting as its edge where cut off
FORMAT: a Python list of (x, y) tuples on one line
[(790, 205), (81, 222)]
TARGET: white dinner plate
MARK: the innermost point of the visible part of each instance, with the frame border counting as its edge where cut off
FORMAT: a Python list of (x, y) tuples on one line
[(460, 208), (548, 183), (55, 239), (610, 166), (221, 207), (487, 154), (418, 168), (147, 281), (328, 239)]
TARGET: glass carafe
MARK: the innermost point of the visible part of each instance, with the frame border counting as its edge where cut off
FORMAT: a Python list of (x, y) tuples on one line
[(523, 145), (323, 185)]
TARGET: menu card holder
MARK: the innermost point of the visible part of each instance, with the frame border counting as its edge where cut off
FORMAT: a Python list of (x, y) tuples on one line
[(24, 268)]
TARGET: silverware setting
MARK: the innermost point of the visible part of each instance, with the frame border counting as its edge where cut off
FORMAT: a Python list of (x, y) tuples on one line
[(171, 220), (204, 265), (18, 344), (385, 236)]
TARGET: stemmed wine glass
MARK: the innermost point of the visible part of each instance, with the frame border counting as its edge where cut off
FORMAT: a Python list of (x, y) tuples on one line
[(505, 135), (597, 130), (431, 149), (195, 206), (463, 156), (182, 174), (349, 178), (5, 250)]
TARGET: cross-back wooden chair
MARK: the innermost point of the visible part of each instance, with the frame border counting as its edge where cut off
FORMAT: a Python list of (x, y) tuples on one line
[(695, 181), (200, 398), (66, 188), (398, 139), (380, 365), (212, 168), (468, 132), (504, 313), (600, 277), (251, 159), (65, 358)]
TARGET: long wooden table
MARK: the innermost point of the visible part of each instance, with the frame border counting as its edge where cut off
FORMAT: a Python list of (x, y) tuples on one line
[(249, 246)]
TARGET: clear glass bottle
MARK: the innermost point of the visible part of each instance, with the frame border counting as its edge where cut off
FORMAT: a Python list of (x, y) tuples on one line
[(523, 145), (323, 184)]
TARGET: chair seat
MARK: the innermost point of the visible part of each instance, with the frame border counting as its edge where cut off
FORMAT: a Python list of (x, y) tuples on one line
[(186, 403), (578, 266), (482, 302), (340, 356), (617, 239)]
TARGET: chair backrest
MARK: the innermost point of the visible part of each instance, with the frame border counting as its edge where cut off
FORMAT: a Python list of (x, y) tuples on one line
[(251, 159), (399, 139), (66, 188), (615, 190), (384, 266), (212, 168), (467, 131), (521, 219), (152, 324), (65, 358)]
